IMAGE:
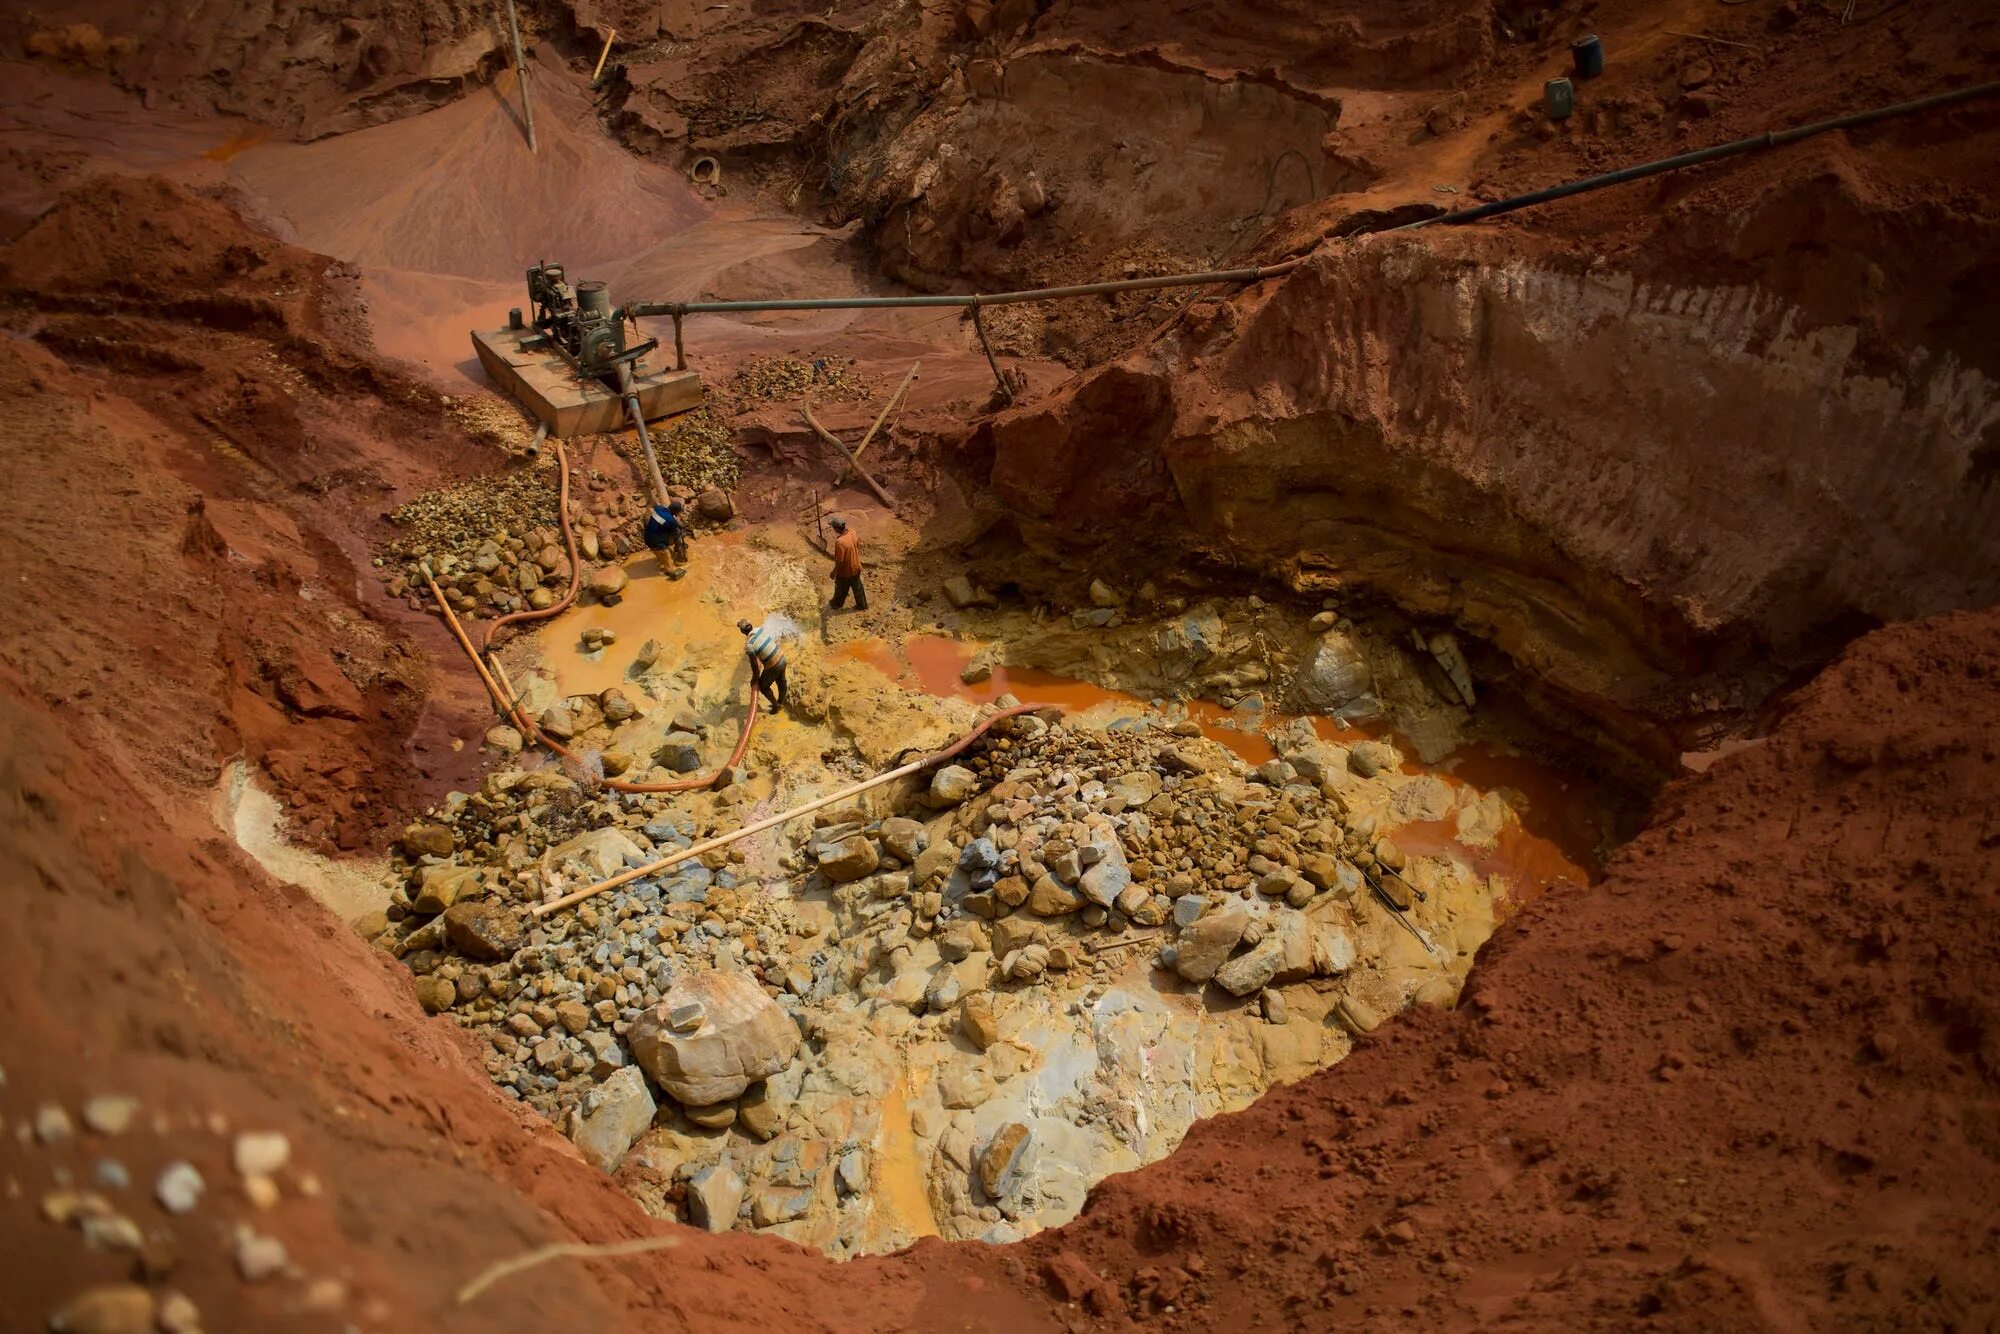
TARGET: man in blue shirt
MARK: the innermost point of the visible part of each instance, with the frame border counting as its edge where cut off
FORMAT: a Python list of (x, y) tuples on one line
[(666, 533), (767, 662)]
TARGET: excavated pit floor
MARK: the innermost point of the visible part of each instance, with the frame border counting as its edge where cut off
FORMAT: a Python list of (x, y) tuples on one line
[(884, 1128)]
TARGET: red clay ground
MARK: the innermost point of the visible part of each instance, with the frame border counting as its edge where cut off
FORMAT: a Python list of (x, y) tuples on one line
[(1749, 1080)]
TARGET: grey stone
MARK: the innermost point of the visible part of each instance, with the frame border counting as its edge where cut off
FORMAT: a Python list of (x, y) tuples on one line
[(680, 752), (714, 1196), (1188, 910)]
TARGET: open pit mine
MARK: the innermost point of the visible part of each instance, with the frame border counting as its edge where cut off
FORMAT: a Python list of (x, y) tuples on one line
[(999, 666)]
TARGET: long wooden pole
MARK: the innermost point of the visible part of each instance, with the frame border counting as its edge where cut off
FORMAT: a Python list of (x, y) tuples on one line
[(598, 73), (772, 822), (521, 76), (859, 471), (881, 417)]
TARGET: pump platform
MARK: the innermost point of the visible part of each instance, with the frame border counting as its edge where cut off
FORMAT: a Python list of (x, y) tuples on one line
[(571, 405)]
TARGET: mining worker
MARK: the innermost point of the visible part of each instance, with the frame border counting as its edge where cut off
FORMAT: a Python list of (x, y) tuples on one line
[(767, 662), (847, 567), (666, 532)]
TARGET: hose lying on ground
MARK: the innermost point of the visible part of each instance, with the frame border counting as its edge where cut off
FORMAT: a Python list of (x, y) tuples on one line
[(510, 709)]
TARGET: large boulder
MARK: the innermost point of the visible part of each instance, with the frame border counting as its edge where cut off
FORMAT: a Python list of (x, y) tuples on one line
[(597, 853), (953, 784), (608, 583), (1105, 873), (715, 505), (1207, 945), (679, 751), (848, 859), (443, 886), (615, 1113), (429, 840), (1336, 675), (713, 1036)]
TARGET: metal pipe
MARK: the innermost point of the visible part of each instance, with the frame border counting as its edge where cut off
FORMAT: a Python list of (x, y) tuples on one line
[(631, 394), (521, 76), (986, 345), (968, 300), (1756, 143)]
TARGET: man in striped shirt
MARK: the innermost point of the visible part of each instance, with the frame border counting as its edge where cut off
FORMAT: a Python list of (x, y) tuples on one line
[(767, 662)]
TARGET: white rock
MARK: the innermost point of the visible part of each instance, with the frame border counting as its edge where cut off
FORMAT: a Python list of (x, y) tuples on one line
[(261, 1153), (179, 1188), (259, 1257), (110, 1114)]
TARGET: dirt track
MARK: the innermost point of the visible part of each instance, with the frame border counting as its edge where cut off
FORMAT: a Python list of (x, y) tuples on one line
[(1747, 1080)]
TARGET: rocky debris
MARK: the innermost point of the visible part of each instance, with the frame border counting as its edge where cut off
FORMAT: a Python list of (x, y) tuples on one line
[(611, 1118), (1048, 860), (714, 1196), (1451, 659), (740, 1036)]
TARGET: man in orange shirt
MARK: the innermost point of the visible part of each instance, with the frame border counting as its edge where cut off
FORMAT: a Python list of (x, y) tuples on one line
[(847, 567)]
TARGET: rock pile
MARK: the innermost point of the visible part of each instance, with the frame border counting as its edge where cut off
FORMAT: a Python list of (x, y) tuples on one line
[(966, 922)]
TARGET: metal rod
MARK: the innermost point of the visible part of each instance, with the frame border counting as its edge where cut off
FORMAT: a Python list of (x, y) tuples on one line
[(979, 327), (598, 73), (1756, 143), (967, 300), (521, 76), (631, 394)]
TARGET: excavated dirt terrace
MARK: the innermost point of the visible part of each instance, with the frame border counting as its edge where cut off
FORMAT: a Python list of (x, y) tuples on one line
[(1492, 809)]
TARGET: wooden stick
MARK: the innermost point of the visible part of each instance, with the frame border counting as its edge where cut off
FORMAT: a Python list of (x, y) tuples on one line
[(598, 73), (578, 1250), (521, 76), (1704, 37), (771, 822), (834, 440), (881, 417)]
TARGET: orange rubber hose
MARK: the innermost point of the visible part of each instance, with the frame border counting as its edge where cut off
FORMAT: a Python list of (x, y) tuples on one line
[(569, 541), (510, 709)]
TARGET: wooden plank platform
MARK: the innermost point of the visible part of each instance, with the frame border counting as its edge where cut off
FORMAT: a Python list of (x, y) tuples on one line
[(545, 384)]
